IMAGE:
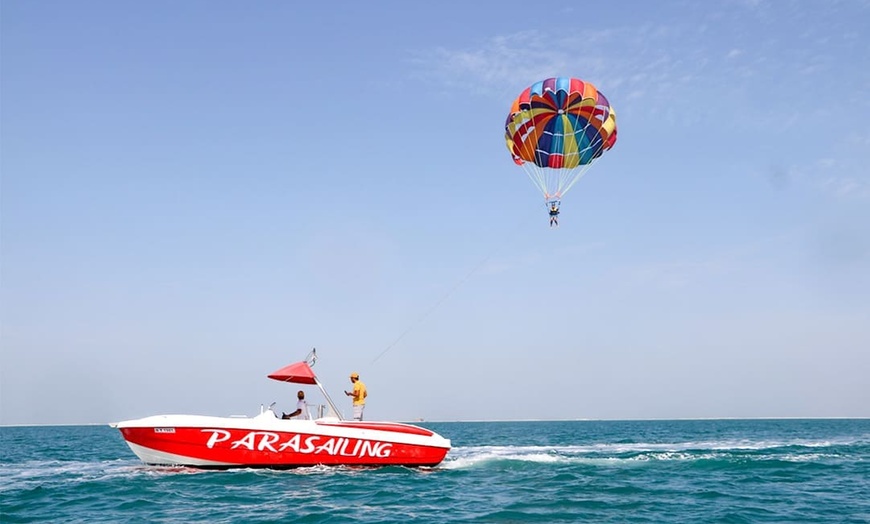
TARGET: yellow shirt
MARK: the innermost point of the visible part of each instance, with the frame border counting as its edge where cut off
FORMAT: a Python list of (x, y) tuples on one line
[(359, 393)]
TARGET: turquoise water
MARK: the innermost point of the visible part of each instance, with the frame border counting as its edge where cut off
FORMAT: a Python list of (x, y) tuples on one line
[(578, 471)]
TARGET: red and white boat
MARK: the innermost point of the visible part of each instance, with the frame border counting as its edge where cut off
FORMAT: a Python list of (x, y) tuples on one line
[(267, 441)]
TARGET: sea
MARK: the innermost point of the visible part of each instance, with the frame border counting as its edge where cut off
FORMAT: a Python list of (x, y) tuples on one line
[(663, 471)]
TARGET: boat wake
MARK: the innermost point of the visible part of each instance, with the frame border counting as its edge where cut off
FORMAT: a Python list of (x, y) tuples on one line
[(631, 453), (34, 474)]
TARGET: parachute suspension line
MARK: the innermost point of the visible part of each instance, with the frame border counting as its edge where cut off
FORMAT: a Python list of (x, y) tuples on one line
[(568, 177), (553, 183), (576, 175), (536, 175), (531, 169), (512, 232)]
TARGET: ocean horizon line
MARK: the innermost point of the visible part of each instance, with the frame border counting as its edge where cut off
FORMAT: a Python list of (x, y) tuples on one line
[(459, 421)]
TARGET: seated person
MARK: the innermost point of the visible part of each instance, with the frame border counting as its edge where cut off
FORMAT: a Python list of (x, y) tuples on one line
[(301, 408)]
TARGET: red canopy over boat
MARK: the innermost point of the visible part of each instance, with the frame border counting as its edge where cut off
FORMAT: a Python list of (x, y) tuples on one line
[(301, 373), (298, 373)]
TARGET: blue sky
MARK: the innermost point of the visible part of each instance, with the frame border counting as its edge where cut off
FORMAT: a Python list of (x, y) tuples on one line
[(194, 194)]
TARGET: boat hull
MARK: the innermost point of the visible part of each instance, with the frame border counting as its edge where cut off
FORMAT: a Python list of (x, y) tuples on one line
[(268, 442)]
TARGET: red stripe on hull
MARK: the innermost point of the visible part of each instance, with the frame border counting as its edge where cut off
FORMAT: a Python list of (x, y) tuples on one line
[(381, 426), (258, 448)]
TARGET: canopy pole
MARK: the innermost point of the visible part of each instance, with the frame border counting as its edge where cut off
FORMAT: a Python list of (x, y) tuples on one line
[(328, 399)]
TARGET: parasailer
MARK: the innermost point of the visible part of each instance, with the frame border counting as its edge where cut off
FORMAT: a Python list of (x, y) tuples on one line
[(554, 214), (556, 129)]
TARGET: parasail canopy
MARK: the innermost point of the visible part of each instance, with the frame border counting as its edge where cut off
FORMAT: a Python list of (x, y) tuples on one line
[(297, 373), (555, 131)]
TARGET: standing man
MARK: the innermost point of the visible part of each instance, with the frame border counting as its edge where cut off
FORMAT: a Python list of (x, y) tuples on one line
[(359, 395)]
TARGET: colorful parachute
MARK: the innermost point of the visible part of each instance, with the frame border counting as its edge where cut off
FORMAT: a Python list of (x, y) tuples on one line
[(556, 129)]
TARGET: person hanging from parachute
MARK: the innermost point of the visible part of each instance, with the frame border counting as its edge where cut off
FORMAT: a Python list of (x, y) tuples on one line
[(554, 213), (556, 129)]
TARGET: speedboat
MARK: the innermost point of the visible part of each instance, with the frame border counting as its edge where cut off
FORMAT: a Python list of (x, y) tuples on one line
[(268, 441)]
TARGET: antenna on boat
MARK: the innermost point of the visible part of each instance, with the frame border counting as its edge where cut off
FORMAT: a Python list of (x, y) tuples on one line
[(311, 358)]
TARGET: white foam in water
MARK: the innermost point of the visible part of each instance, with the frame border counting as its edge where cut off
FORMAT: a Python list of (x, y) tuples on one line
[(607, 453), (471, 456), (36, 473)]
